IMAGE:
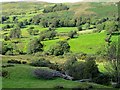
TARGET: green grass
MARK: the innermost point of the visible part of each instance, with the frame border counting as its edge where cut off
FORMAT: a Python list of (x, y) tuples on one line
[(49, 43), (104, 10), (66, 29), (89, 43), (21, 76)]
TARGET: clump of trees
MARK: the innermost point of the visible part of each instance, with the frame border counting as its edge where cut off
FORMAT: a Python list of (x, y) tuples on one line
[(81, 70), (59, 48), (32, 31), (34, 46), (56, 7), (9, 49), (47, 34)]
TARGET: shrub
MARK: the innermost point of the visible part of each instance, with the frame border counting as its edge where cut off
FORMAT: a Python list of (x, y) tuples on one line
[(72, 34), (15, 33), (102, 79), (6, 38), (9, 53), (55, 66), (79, 28), (40, 63), (8, 65), (43, 74), (87, 26), (100, 27), (4, 73), (24, 62), (14, 61)]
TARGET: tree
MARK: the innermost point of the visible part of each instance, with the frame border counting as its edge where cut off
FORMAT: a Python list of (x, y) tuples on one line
[(72, 34), (81, 70), (113, 61), (79, 28), (59, 48), (4, 18), (15, 33), (20, 24), (100, 27), (87, 26), (91, 69), (34, 46), (14, 18), (111, 27), (6, 47), (30, 31), (47, 34), (6, 38)]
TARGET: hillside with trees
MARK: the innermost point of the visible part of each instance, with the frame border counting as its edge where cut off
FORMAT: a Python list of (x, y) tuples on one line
[(60, 45)]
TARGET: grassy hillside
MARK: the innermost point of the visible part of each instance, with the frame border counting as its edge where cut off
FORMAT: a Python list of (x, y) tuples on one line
[(22, 76), (28, 9), (21, 20)]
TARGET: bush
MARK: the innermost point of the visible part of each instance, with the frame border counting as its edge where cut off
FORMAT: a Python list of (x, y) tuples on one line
[(72, 34), (4, 73), (41, 63), (8, 65), (14, 61), (24, 62), (6, 38), (79, 28), (9, 53), (15, 33), (46, 74), (102, 79), (100, 27), (55, 67)]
